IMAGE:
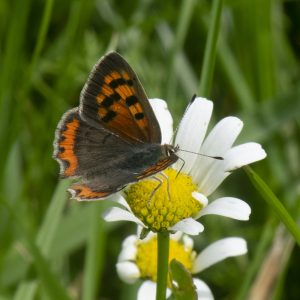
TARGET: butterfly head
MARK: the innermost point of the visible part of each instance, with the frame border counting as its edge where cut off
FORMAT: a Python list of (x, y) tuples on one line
[(170, 150)]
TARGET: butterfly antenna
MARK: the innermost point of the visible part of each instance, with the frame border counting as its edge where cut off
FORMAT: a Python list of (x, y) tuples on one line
[(176, 129), (205, 155), (183, 161)]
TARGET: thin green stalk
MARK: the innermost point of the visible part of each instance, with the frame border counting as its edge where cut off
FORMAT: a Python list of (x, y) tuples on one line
[(94, 258), (187, 8), (52, 218), (274, 203), (210, 50), (40, 40), (163, 241)]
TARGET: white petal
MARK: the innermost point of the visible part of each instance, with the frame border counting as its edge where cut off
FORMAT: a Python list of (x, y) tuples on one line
[(218, 142), (215, 177), (127, 254), (234, 158), (147, 291), (124, 203), (201, 198), (164, 118), (187, 242), (202, 289), (219, 251), (119, 214), (129, 249), (191, 131), (128, 271), (188, 226), (130, 240), (228, 207), (242, 155), (176, 236)]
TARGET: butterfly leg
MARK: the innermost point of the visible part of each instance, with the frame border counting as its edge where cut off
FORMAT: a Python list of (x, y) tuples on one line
[(183, 163), (160, 182), (168, 184)]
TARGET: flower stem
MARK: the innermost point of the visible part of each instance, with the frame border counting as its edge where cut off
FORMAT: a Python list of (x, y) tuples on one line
[(163, 239)]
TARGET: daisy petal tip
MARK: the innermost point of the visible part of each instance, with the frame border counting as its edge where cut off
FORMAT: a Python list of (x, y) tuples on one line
[(218, 251), (188, 226), (158, 101), (243, 155), (202, 289), (261, 152), (203, 100), (128, 271), (147, 291), (241, 246), (228, 207), (164, 118)]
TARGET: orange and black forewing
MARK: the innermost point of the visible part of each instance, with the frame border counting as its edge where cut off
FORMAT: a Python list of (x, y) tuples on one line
[(114, 98)]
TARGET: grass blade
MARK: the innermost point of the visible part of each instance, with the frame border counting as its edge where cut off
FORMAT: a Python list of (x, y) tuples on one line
[(274, 203), (210, 50), (95, 252)]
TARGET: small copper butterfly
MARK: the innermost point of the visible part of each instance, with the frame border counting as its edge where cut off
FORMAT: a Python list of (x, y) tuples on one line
[(113, 138)]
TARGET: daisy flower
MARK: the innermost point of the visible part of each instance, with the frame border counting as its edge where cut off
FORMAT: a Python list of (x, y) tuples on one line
[(137, 260), (181, 198)]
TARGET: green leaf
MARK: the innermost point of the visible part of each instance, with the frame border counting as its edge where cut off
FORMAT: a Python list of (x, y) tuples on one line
[(144, 233), (184, 288)]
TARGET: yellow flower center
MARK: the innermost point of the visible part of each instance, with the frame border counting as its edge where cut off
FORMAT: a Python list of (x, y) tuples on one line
[(171, 202), (146, 257)]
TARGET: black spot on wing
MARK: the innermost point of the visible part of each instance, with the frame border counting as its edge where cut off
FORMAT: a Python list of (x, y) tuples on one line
[(107, 102), (115, 96), (139, 116), (131, 100), (117, 82), (109, 116), (130, 82)]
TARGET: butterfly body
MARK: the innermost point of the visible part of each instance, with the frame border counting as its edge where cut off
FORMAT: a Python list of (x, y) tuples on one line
[(113, 137)]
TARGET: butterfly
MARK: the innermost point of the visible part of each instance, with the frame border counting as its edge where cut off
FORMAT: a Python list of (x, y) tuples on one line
[(113, 138)]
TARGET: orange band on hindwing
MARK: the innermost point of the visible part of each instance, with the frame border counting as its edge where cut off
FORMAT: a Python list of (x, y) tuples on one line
[(66, 147), (81, 191)]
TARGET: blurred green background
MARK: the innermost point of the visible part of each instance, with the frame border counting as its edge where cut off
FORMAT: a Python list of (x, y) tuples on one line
[(54, 248)]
